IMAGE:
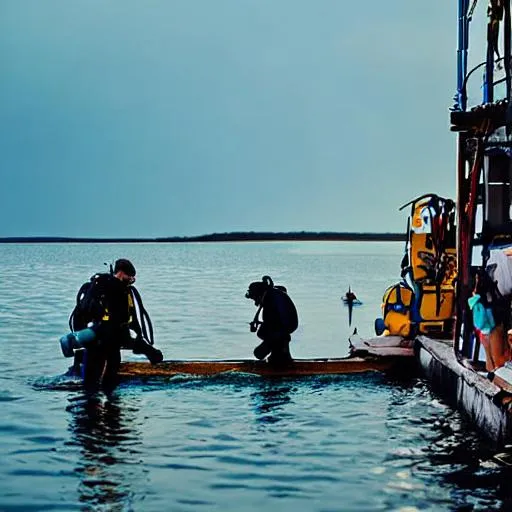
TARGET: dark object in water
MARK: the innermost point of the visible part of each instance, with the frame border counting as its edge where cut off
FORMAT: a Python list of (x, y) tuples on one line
[(355, 302), (350, 300)]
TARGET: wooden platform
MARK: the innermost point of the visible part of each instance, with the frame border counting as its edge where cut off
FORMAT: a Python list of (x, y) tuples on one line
[(381, 346), (299, 367)]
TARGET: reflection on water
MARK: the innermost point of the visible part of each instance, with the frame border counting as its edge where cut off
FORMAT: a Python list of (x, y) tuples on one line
[(235, 443), (438, 446), (270, 402), (466, 463), (366, 441), (106, 431)]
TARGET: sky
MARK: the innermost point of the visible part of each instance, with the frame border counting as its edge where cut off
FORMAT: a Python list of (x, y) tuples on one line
[(186, 117)]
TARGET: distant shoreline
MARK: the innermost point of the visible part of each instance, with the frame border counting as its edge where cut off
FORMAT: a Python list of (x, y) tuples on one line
[(220, 237)]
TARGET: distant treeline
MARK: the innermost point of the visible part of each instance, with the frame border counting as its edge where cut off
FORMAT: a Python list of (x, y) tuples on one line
[(243, 236)]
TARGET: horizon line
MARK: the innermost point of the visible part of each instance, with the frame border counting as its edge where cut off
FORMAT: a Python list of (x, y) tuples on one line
[(231, 236)]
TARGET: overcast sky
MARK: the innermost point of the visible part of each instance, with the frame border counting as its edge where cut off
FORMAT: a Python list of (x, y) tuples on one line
[(187, 117)]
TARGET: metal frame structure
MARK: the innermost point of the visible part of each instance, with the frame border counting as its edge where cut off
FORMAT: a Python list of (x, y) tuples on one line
[(484, 165)]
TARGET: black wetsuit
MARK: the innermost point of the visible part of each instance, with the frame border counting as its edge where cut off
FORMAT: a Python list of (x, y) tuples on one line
[(102, 360)]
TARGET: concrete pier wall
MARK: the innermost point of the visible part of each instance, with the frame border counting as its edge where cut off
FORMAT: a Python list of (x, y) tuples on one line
[(464, 389)]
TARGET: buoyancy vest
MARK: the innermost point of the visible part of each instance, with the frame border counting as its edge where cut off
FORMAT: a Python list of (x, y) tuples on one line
[(90, 302), (396, 309), (104, 298)]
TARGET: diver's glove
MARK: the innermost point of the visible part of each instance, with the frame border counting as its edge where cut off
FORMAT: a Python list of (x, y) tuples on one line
[(155, 356), (142, 346)]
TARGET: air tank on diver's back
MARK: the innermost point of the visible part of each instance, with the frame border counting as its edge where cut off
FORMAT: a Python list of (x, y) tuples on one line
[(79, 339)]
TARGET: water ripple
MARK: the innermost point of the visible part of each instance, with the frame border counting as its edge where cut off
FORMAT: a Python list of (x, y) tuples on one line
[(229, 442)]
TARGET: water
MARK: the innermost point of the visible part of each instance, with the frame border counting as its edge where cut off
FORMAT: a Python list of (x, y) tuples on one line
[(229, 443)]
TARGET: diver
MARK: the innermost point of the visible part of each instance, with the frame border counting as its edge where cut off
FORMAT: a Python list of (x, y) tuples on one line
[(279, 320), (109, 316)]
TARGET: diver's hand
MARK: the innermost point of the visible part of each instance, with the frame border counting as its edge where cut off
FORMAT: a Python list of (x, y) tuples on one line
[(155, 356)]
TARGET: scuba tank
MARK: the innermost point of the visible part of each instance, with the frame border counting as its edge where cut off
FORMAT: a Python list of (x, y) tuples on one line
[(78, 339)]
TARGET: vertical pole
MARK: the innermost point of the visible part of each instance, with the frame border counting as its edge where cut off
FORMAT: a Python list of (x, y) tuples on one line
[(488, 87), (467, 199), (462, 52), (506, 46), (461, 241), (461, 183), (492, 29)]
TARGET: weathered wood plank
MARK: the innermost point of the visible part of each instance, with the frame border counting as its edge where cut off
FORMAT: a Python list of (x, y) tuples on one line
[(299, 367)]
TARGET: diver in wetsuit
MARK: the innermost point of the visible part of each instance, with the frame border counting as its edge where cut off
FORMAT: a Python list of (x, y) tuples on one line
[(279, 320), (108, 308)]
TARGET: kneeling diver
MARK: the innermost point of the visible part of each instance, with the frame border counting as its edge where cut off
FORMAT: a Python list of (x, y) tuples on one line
[(104, 321), (279, 320)]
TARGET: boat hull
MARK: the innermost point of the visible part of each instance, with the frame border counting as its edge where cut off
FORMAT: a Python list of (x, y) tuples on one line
[(299, 367)]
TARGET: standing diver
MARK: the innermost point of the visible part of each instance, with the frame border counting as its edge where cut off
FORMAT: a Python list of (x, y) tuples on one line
[(279, 320), (104, 321)]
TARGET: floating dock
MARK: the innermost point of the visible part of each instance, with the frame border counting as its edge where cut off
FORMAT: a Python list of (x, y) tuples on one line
[(383, 354), (298, 368)]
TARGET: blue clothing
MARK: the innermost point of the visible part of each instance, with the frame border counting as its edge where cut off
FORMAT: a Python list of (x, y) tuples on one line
[(483, 319)]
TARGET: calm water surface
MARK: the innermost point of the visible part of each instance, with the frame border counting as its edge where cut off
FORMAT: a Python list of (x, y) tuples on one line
[(229, 443)]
